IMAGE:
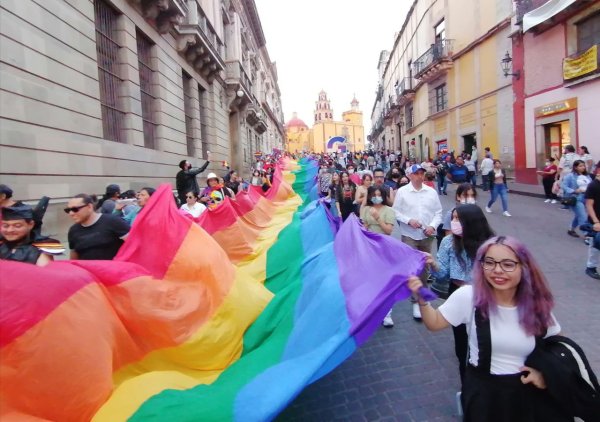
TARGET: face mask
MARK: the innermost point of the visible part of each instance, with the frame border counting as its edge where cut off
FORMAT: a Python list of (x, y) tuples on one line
[(395, 175), (471, 201), (456, 228), (350, 171), (376, 200), (547, 163)]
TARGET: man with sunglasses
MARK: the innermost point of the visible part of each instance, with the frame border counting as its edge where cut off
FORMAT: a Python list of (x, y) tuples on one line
[(94, 235)]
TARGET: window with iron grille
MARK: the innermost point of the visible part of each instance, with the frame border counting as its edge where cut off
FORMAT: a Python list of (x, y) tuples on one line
[(409, 117), (202, 99), (189, 113), (107, 50), (144, 50), (588, 32), (441, 98)]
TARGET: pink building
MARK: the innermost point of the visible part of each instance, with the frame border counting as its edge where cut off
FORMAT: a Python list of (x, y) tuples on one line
[(557, 86)]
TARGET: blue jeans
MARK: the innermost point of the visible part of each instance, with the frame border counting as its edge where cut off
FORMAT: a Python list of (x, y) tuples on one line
[(442, 183), (580, 214), (499, 190)]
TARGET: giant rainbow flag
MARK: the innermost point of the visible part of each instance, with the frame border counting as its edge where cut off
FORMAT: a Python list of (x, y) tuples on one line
[(226, 318)]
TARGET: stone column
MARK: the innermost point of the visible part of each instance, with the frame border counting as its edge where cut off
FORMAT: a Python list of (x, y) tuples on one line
[(129, 95)]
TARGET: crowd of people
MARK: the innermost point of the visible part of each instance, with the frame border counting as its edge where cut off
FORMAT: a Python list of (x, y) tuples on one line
[(498, 300)]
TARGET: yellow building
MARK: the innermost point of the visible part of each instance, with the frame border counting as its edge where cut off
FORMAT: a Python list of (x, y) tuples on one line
[(441, 85), (327, 135)]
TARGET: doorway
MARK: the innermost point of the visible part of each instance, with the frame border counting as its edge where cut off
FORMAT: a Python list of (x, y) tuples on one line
[(469, 141), (557, 135)]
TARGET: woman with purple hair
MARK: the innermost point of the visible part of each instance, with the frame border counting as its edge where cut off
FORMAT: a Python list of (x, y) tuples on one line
[(506, 308)]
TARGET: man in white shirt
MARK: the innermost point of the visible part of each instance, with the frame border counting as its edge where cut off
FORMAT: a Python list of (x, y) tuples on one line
[(419, 213), (487, 165)]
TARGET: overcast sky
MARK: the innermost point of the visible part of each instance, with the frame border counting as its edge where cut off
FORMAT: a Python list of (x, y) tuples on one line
[(332, 45)]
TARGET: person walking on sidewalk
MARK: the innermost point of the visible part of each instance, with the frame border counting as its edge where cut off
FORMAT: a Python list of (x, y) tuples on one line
[(419, 212), (592, 206), (574, 186), (487, 165), (548, 178), (497, 179)]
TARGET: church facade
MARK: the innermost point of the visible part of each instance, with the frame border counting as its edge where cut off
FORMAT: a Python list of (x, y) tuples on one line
[(327, 134)]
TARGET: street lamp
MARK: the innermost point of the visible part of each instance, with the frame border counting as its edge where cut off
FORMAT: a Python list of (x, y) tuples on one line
[(506, 64)]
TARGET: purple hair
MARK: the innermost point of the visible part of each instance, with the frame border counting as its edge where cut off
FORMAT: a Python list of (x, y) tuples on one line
[(533, 297)]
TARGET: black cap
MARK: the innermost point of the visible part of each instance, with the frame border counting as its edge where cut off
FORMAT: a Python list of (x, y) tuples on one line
[(6, 190), (17, 212)]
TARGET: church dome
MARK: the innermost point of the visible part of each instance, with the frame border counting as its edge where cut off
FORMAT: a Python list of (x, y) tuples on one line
[(296, 122)]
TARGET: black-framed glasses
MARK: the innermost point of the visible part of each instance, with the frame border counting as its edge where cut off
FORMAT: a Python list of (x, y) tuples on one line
[(75, 209), (507, 265)]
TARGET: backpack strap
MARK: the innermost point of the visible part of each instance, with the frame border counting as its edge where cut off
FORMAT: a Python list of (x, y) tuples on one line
[(484, 342)]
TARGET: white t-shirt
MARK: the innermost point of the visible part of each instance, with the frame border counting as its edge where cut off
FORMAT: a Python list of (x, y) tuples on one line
[(195, 210), (486, 166), (510, 344)]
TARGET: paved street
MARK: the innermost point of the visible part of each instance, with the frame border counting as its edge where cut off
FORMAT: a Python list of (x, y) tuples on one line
[(409, 374)]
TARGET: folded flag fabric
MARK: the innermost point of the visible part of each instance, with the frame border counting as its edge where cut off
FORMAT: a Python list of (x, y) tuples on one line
[(224, 318)]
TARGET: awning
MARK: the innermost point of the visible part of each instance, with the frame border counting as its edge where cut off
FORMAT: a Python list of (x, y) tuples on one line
[(545, 12)]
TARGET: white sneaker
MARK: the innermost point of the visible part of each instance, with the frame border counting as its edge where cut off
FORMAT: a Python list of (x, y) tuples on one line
[(488, 209), (553, 201), (416, 311), (546, 201), (506, 214), (388, 322)]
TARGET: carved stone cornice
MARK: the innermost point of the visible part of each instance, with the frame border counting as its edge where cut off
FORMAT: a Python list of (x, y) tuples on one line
[(197, 49), (164, 15)]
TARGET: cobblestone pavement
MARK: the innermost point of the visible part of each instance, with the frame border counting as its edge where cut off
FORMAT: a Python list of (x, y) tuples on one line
[(409, 374)]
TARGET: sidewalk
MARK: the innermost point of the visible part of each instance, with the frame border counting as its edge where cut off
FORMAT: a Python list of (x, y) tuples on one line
[(526, 189)]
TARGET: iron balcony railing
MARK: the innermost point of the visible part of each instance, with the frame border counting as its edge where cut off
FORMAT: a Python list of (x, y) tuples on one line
[(437, 52), (405, 86)]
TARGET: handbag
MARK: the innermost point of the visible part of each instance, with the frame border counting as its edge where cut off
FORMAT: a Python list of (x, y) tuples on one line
[(569, 201)]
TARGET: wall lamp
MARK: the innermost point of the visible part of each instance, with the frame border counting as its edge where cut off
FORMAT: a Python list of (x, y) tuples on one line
[(506, 64)]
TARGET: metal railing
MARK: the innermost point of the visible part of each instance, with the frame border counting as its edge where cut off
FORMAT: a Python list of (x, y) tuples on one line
[(440, 50)]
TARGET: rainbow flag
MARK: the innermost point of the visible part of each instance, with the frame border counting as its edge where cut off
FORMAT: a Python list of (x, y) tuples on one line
[(227, 318)]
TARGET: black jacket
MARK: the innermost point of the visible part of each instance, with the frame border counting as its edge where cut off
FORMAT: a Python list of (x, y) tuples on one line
[(185, 180), (568, 375)]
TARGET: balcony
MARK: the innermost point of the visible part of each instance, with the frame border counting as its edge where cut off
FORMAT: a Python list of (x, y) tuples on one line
[(238, 82), (405, 91), (164, 15), (198, 42), (580, 66), (436, 61), (379, 93)]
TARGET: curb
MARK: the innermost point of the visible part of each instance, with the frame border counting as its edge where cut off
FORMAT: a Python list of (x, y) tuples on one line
[(524, 193)]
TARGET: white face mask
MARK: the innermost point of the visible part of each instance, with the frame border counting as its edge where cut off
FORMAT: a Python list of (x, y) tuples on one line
[(456, 228), (350, 171)]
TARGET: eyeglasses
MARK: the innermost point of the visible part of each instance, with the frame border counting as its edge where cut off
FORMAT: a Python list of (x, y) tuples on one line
[(75, 209), (507, 265), (189, 197)]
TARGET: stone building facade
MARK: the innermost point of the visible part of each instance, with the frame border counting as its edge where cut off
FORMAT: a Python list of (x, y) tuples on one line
[(96, 92)]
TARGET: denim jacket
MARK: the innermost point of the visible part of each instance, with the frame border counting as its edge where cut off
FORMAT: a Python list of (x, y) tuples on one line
[(449, 265), (569, 185)]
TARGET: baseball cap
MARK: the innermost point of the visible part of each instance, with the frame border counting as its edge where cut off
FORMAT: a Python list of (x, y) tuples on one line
[(414, 168), (211, 176)]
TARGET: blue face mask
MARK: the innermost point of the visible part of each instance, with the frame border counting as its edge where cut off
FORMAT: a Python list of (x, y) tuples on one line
[(376, 200)]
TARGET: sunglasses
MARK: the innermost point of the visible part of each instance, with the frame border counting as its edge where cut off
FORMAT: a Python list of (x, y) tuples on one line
[(75, 209), (189, 197)]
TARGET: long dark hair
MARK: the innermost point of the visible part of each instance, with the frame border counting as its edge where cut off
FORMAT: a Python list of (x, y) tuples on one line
[(476, 230), (371, 192), (577, 163)]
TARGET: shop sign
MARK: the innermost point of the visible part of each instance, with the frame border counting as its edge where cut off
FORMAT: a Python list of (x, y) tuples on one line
[(442, 145), (581, 64), (554, 108)]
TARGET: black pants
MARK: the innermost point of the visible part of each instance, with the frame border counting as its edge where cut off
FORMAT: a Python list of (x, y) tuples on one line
[(461, 340), (548, 183)]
